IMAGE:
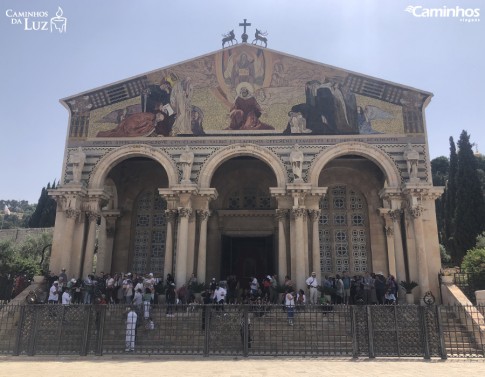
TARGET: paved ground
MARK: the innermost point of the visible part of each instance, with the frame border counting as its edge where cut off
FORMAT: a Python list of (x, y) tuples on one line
[(198, 367)]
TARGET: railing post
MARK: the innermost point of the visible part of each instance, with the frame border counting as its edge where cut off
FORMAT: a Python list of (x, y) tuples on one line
[(31, 343), (100, 331), (370, 328), (245, 331), (444, 356), (424, 327), (18, 337), (206, 313), (353, 328), (87, 323)]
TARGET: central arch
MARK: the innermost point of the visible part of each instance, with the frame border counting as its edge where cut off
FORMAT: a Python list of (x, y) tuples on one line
[(231, 151)]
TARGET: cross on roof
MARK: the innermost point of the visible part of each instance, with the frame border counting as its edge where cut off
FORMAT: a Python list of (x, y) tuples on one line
[(244, 36)]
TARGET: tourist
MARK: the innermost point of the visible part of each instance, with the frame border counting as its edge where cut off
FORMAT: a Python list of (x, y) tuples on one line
[(131, 320), (339, 290), (273, 293), (66, 297), (254, 286), (301, 299), (290, 306), (88, 289), (147, 298), (312, 284), (149, 282), (389, 298), (346, 280), (170, 299), (54, 293), (127, 289)]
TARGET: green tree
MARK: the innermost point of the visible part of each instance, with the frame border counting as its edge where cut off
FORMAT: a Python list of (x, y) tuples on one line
[(474, 260), (44, 215), (25, 257), (449, 202), (470, 204), (439, 169)]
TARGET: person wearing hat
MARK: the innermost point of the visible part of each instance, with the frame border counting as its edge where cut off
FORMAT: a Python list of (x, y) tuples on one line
[(63, 275), (54, 293), (312, 284)]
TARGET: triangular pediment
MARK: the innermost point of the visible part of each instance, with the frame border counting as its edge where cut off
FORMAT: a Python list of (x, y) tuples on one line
[(251, 90)]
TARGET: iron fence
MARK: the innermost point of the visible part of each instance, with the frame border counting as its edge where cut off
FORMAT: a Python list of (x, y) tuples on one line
[(469, 283), (245, 330)]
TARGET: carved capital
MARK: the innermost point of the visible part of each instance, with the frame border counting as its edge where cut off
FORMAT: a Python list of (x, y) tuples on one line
[(110, 231), (282, 214), (171, 215), (416, 211), (298, 212), (72, 213), (203, 214), (185, 212), (314, 214), (395, 215), (92, 216)]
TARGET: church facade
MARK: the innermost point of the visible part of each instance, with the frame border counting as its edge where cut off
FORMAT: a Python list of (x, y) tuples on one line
[(248, 162)]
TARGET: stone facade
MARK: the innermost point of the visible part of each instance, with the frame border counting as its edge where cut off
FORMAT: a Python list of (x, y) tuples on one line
[(226, 201)]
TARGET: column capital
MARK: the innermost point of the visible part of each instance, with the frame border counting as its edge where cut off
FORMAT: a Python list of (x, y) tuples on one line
[(185, 212), (298, 212), (93, 216), (72, 213), (416, 211), (282, 214), (395, 214), (170, 214), (314, 214), (203, 214)]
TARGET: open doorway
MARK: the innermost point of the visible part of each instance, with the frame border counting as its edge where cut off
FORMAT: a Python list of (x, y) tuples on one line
[(247, 256)]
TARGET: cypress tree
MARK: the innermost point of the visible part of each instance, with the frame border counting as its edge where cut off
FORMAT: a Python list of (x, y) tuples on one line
[(470, 204), (439, 169), (449, 199)]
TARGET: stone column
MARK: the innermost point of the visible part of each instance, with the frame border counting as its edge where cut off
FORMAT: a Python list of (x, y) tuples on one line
[(314, 217), (203, 216), (106, 241), (170, 215), (90, 244), (182, 244), (299, 215), (191, 243), (422, 261), (68, 260), (390, 242), (400, 273), (282, 215)]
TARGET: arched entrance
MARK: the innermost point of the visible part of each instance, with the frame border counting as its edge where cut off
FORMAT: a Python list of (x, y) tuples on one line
[(139, 230), (350, 228), (242, 227)]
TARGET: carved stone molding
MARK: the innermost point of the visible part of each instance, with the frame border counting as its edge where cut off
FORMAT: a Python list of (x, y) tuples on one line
[(92, 216), (203, 214), (282, 214), (389, 231), (314, 214), (185, 212), (299, 212), (72, 213), (171, 215), (416, 211), (395, 215)]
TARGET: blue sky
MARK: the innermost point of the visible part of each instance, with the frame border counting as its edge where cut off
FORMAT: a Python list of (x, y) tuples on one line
[(108, 41)]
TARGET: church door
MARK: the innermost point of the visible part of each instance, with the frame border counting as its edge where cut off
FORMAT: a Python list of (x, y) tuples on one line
[(247, 256)]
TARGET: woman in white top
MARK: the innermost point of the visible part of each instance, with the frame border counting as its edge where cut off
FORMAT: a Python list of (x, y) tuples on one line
[(290, 306)]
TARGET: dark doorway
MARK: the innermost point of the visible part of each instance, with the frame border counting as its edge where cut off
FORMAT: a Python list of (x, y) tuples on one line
[(247, 256)]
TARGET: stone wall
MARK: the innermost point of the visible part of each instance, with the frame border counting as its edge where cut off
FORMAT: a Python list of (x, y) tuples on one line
[(20, 234)]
